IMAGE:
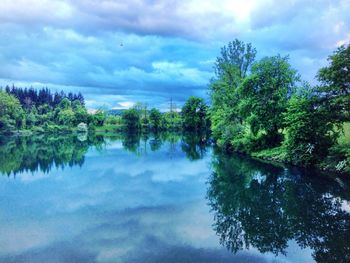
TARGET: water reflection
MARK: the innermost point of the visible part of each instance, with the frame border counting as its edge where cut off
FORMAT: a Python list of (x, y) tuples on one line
[(264, 206), (42, 153), (142, 198)]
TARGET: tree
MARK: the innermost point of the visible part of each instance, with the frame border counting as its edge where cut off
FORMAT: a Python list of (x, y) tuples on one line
[(235, 61), (81, 114), (99, 118), (309, 130), (231, 67), (66, 117), (131, 119), (64, 104), (264, 96), (155, 118), (11, 112), (194, 114), (335, 83)]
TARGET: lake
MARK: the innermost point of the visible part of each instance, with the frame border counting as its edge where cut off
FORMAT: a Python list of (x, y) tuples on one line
[(162, 198)]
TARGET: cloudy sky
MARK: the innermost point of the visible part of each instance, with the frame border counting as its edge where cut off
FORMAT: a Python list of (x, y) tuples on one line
[(118, 52)]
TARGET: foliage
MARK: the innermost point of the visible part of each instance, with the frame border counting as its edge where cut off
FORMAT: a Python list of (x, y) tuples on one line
[(264, 95), (194, 114), (131, 119), (231, 67), (155, 118), (11, 113), (33, 97), (309, 130), (172, 121), (335, 83), (47, 113), (261, 109), (98, 119)]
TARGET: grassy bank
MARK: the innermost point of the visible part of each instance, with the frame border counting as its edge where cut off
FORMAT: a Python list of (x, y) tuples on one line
[(337, 160)]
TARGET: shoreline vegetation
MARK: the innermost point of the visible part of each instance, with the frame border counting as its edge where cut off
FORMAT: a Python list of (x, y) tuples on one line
[(260, 108)]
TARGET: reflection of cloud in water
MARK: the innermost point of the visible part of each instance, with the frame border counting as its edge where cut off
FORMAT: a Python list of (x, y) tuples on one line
[(117, 207), (144, 234)]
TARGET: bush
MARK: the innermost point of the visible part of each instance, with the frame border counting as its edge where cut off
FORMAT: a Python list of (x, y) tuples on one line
[(309, 131), (82, 127)]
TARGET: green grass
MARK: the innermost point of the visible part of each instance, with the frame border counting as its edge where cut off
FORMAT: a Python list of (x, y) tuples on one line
[(109, 128), (274, 154)]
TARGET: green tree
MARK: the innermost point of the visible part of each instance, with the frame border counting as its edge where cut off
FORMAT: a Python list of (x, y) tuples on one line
[(194, 114), (11, 112), (32, 117), (81, 114), (66, 117), (335, 83), (231, 67), (264, 96), (309, 130), (172, 121), (131, 119), (155, 118), (64, 104)]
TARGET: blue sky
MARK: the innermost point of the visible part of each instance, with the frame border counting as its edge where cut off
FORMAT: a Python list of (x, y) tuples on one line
[(120, 52)]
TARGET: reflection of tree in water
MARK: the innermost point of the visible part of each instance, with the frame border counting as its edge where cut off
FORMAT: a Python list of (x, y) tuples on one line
[(42, 153), (265, 206), (195, 145)]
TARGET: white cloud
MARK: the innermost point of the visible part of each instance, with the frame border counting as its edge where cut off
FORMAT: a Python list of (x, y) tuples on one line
[(157, 49)]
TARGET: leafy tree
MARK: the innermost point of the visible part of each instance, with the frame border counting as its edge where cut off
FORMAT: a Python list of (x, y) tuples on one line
[(66, 117), (231, 67), (64, 104), (99, 118), (32, 117), (335, 83), (113, 119), (131, 119), (155, 118), (81, 114), (309, 130), (264, 96), (194, 114), (11, 113), (172, 121), (235, 61)]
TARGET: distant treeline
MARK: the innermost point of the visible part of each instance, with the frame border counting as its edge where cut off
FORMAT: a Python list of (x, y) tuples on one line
[(29, 97), (28, 109)]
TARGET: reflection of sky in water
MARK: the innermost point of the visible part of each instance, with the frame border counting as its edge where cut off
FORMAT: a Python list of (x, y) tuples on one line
[(117, 207)]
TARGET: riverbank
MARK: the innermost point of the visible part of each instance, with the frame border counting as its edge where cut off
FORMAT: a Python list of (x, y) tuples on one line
[(337, 161)]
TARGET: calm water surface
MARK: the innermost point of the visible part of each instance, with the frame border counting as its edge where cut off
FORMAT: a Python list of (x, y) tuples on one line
[(164, 198)]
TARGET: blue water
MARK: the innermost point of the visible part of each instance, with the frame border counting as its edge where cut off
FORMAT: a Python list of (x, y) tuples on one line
[(162, 199)]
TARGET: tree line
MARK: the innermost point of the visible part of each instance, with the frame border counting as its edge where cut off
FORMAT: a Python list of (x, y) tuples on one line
[(23, 109), (194, 116), (40, 110), (29, 97)]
